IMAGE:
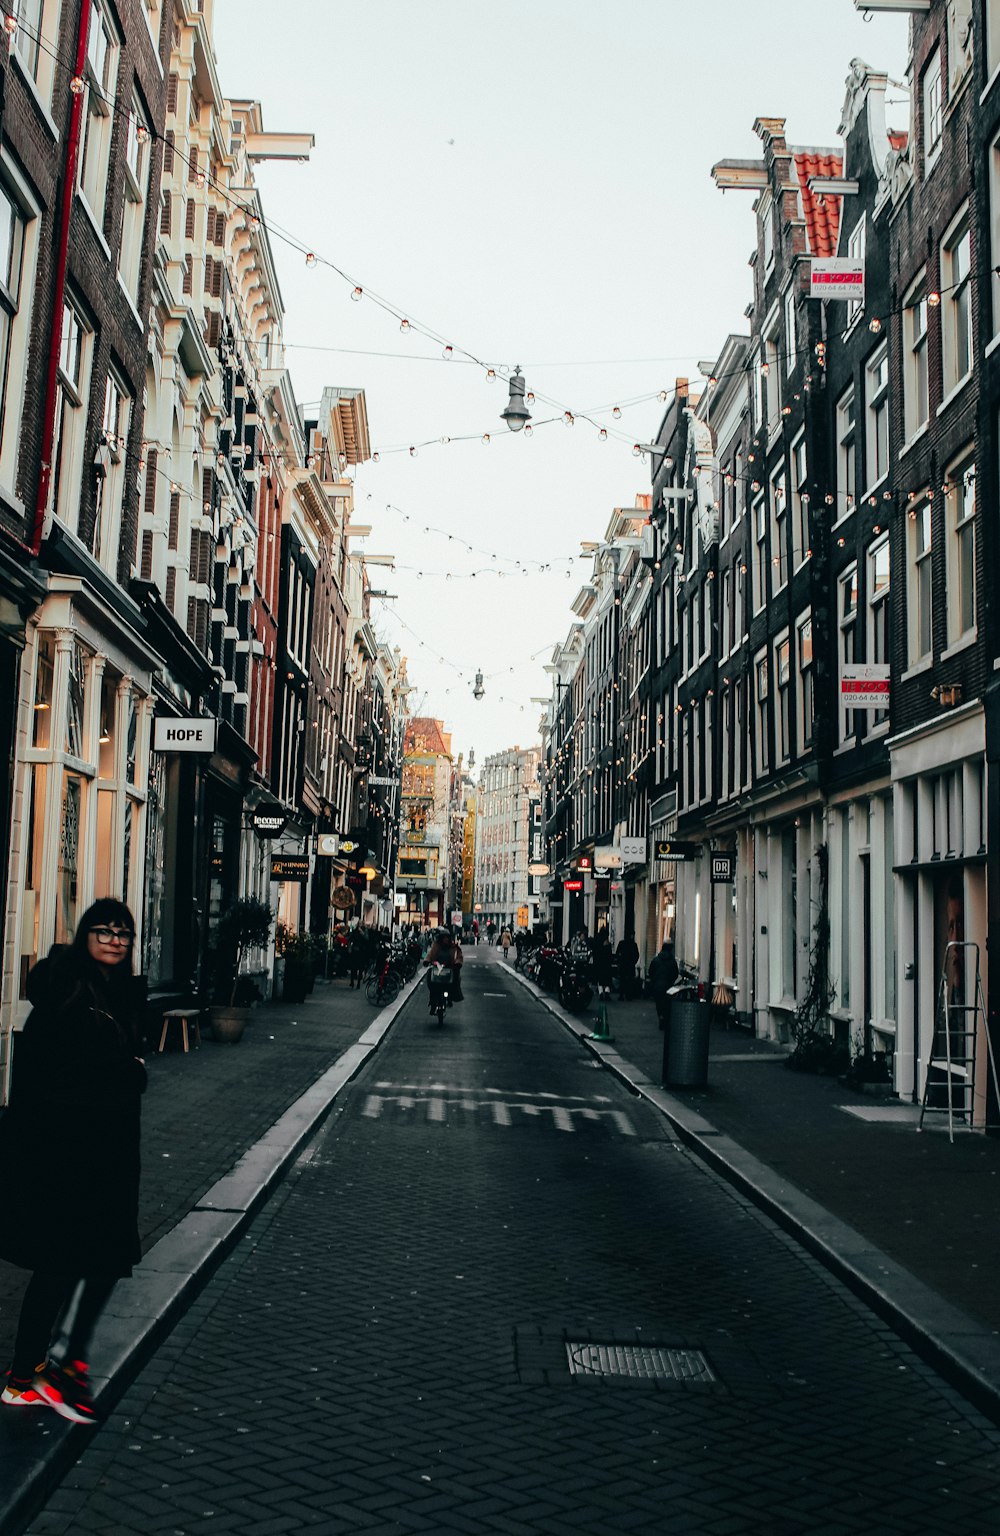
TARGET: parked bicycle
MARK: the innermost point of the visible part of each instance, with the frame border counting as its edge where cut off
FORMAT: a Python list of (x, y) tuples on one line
[(383, 986)]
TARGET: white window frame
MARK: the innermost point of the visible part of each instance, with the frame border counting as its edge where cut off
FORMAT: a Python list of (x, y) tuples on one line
[(772, 379), (847, 461), (857, 245), (800, 503), (960, 525), (879, 614), (916, 375), (791, 338), (760, 583), (111, 483), (766, 215), (100, 74), (847, 625), (920, 581), (782, 658), (992, 29), (957, 334), (138, 142), (932, 102), (761, 687), (36, 43), (18, 256), (778, 503), (877, 416), (72, 390), (805, 694)]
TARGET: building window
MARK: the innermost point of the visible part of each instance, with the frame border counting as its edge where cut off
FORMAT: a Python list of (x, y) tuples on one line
[(960, 521), (856, 251), (782, 688), (760, 682), (100, 78), (111, 472), (877, 424), (772, 376), (932, 97), (915, 396), (845, 453), (36, 41), (779, 532), (791, 338), (847, 613), (767, 232), (137, 142), (919, 593), (800, 504), (878, 611), (956, 303), (804, 669), (759, 554), (72, 377), (12, 232)]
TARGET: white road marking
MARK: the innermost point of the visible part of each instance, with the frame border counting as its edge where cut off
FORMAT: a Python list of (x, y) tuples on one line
[(562, 1118), (501, 1111)]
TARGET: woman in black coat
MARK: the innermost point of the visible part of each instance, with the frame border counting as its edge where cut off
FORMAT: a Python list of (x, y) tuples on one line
[(69, 1153)]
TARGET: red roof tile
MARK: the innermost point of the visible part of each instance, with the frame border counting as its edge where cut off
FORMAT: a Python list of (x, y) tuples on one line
[(424, 734), (821, 213)]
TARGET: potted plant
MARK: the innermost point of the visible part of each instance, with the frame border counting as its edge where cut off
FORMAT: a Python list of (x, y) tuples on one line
[(297, 950), (244, 926)]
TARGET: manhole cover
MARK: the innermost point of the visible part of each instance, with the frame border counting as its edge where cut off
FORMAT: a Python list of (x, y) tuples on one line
[(640, 1361)]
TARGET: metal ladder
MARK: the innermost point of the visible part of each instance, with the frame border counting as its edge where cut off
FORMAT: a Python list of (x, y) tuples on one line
[(951, 1070)]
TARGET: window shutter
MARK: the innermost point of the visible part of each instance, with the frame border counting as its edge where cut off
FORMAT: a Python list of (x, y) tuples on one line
[(209, 268), (171, 587), (146, 561), (193, 163), (149, 504), (220, 227), (168, 151), (206, 489), (214, 334), (186, 284), (172, 84), (175, 514), (216, 279), (189, 219), (165, 214)]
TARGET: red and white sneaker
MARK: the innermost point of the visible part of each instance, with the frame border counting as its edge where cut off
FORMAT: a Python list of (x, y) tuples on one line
[(19, 1392), (64, 1388)]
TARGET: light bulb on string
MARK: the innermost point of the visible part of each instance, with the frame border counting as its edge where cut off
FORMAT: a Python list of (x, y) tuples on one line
[(357, 294), (529, 430), (405, 326), (375, 457), (491, 373), (486, 437), (569, 419), (311, 259), (616, 413), (448, 352), (78, 85), (413, 452), (602, 435)]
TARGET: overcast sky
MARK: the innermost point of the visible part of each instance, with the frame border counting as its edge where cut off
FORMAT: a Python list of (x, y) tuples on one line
[(530, 181)]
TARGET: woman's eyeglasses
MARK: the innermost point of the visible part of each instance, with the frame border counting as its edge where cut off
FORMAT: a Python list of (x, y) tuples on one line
[(112, 936)]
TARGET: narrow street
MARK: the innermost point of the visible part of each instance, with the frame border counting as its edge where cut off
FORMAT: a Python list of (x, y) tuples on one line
[(388, 1349)]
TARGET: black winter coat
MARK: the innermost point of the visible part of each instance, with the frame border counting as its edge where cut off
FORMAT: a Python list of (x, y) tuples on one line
[(69, 1138)]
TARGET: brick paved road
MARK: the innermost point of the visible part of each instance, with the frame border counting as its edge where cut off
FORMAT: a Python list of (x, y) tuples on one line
[(385, 1351)]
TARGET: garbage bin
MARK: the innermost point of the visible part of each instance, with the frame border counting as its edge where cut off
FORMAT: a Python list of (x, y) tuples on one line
[(685, 1041)]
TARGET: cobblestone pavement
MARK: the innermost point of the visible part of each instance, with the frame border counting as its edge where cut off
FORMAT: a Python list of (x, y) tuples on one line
[(204, 1109), (386, 1349)]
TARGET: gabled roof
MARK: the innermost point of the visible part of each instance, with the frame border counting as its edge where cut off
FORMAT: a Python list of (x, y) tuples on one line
[(426, 735), (821, 214)]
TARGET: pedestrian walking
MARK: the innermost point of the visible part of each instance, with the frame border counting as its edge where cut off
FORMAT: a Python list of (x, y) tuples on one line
[(627, 956), (663, 972), (491, 930), (506, 940), (69, 1155), (358, 954), (603, 964)]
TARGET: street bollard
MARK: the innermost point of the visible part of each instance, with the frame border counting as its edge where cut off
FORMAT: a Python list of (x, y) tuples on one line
[(603, 1030)]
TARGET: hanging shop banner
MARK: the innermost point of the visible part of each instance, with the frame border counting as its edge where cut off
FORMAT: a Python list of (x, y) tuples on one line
[(633, 850), (328, 844), (183, 735), (864, 686), (343, 899), (289, 866), (376, 781), (837, 277), (608, 858), (268, 820), (523, 917), (572, 885), (723, 868), (680, 853)]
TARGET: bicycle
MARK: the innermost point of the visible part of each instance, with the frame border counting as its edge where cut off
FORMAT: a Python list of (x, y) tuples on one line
[(383, 988)]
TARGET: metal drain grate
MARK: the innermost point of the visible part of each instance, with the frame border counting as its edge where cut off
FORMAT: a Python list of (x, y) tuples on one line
[(640, 1361)]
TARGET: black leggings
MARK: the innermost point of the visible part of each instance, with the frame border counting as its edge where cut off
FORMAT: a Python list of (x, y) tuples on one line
[(46, 1299)]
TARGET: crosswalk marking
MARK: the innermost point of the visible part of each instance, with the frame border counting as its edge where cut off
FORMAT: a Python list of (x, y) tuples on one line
[(506, 1093), (501, 1112)]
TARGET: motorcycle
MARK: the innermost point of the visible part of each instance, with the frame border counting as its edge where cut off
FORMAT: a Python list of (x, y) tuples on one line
[(575, 991), (439, 983)]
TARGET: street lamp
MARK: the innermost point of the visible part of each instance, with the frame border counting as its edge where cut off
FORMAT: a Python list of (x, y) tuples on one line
[(517, 414)]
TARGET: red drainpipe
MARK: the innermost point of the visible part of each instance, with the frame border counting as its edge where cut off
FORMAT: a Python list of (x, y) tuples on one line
[(62, 254)]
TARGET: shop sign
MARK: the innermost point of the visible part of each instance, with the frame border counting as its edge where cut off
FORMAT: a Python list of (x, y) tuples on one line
[(723, 868), (601, 875), (342, 898), (183, 735), (399, 900), (678, 853), (347, 847), (381, 782), (572, 885), (523, 917), (538, 869), (633, 850), (289, 866), (328, 844), (456, 919), (582, 863), (608, 859), (837, 277), (864, 686), (268, 820)]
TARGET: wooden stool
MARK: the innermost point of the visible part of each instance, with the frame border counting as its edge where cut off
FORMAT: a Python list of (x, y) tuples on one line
[(181, 1016)]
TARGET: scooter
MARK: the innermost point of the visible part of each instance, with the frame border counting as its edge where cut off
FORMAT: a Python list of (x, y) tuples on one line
[(439, 989), (575, 991)]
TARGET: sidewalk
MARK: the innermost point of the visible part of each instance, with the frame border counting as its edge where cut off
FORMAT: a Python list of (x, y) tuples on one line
[(220, 1125), (910, 1221)]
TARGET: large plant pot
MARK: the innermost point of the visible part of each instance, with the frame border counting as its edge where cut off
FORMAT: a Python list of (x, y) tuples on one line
[(228, 1024), (297, 980)]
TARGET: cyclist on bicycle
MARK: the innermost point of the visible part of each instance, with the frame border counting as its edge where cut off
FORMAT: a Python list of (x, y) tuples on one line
[(444, 952)]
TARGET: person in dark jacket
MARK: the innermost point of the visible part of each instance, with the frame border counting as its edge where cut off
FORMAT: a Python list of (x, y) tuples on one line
[(358, 954), (627, 956), (663, 972), (69, 1154), (603, 963)]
